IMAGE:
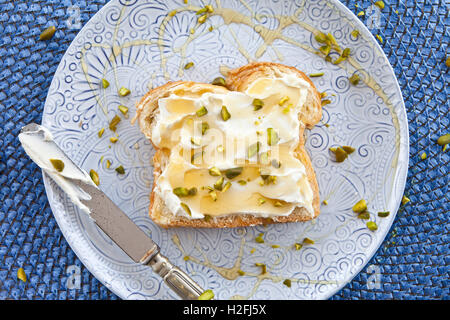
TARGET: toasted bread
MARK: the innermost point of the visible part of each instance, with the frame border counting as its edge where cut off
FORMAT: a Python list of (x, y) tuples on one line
[(237, 80)]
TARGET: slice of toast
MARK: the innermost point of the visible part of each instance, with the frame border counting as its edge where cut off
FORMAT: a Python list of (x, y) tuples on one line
[(237, 80)]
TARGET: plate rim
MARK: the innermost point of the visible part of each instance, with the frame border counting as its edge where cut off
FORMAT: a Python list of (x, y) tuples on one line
[(402, 184)]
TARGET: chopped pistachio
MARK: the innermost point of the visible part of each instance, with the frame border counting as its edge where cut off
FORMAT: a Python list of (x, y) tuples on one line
[(201, 112), (325, 102), (214, 171), (205, 127), (261, 201), (108, 164), (317, 74), (213, 195), (196, 141), (325, 50), (355, 33), (287, 109), (364, 215), (233, 172), (320, 37), (257, 104), (57, 164), (339, 153), (192, 31), (325, 202), (207, 295), (383, 214), (226, 186), (114, 122), (253, 149), (123, 109), (283, 100), (225, 114), (278, 204), (259, 239), (241, 273), (207, 218), (48, 33), (332, 39), (380, 4), (348, 149), (219, 184), (21, 275), (379, 38), (360, 206), (298, 246), (423, 156), (287, 283), (105, 83), (252, 251), (113, 139), (345, 53), (94, 176), (372, 225), (447, 62), (272, 137), (188, 65), (185, 208), (172, 13), (120, 170), (444, 139), (275, 246), (219, 81), (123, 92), (263, 267), (242, 182), (323, 95), (201, 11), (211, 28), (308, 241), (360, 14), (405, 200), (202, 19), (354, 79), (100, 133), (186, 258)]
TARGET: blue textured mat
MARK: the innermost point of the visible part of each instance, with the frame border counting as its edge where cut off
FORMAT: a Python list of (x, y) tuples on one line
[(413, 262)]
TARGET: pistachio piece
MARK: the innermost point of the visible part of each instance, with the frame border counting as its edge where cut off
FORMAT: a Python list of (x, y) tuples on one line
[(113, 139), (320, 37), (355, 33), (206, 295), (213, 195), (100, 133), (201, 112), (233, 172), (181, 192), (207, 218), (105, 83), (21, 275), (57, 164), (360, 206), (257, 104), (287, 283), (372, 226), (209, 8), (364, 215), (298, 246), (123, 109), (380, 38), (242, 182), (272, 137), (339, 153), (219, 81), (345, 53), (188, 65), (114, 122), (259, 239), (225, 114), (48, 33), (202, 19), (120, 170), (444, 139), (261, 201), (205, 127), (308, 241), (219, 184), (405, 200), (241, 273), (383, 214), (354, 79), (192, 191), (123, 92), (214, 171), (325, 50), (283, 100), (172, 13), (317, 74), (348, 149), (108, 164), (278, 204), (185, 208), (226, 186), (423, 156), (380, 4), (94, 176), (253, 149), (201, 11)]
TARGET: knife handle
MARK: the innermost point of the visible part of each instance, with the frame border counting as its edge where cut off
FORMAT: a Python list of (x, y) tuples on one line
[(175, 278)]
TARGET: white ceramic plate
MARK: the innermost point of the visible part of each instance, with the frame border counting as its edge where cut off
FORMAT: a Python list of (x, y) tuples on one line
[(125, 44)]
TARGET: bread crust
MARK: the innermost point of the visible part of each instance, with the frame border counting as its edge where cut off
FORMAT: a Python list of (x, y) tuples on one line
[(237, 80)]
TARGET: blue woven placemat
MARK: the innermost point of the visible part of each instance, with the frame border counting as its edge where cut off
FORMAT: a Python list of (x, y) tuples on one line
[(412, 263)]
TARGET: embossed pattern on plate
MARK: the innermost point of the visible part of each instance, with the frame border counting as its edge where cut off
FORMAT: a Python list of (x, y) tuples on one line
[(356, 116)]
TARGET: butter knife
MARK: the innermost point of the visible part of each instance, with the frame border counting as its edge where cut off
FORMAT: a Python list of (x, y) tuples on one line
[(116, 224)]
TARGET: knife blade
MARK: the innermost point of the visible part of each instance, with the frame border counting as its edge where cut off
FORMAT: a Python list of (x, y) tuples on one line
[(113, 221)]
